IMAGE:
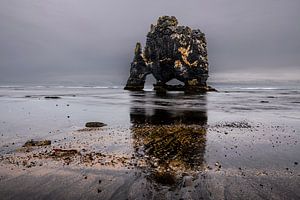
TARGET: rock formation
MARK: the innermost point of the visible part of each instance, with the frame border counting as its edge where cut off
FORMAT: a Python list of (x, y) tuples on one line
[(171, 52)]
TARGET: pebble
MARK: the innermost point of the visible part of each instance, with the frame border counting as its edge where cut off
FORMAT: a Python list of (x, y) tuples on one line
[(187, 181)]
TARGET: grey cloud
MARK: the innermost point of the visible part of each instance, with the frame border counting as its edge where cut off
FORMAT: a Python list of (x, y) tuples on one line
[(56, 40)]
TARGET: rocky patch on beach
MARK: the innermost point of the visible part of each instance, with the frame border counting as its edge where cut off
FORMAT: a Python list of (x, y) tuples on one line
[(235, 124)]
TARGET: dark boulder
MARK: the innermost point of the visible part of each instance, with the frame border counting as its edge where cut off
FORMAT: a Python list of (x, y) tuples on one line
[(52, 97), (171, 52), (94, 124)]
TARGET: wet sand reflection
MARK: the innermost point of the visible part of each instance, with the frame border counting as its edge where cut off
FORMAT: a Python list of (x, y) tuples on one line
[(169, 135)]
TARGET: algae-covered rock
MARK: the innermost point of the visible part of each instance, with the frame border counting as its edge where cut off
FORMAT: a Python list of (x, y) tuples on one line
[(171, 52), (32, 143), (64, 152)]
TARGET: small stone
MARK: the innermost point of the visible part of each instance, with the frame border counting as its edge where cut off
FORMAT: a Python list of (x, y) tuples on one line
[(94, 124), (52, 97), (31, 143), (187, 181), (264, 101)]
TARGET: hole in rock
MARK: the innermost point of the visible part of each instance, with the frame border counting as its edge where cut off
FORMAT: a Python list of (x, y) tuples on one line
[(174, 82), (150, 80)]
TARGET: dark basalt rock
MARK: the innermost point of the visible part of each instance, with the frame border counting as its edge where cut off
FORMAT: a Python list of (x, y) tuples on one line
[(52, 97), (94, 124), (171, 52)]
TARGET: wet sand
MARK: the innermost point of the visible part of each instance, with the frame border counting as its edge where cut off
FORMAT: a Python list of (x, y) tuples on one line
[(103, 169), (172, 147)]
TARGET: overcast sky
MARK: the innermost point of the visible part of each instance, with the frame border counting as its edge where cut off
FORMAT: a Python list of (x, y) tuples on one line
[(92, 41)]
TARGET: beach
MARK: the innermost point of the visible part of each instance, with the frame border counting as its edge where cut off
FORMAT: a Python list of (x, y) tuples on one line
[(241, 142)]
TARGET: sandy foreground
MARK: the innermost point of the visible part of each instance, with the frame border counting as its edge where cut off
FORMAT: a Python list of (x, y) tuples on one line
[(109, 163)]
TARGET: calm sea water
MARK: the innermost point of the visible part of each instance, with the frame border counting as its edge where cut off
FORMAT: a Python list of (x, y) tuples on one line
[(272, 110)]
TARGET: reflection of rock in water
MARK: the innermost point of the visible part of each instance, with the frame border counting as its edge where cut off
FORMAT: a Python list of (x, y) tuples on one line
[(169, 140), (170, 150), (169, 109)]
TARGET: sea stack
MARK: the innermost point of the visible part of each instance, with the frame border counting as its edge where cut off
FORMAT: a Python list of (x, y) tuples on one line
[(171, 52)]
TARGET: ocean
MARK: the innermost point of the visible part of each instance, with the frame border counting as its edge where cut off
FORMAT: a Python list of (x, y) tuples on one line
[(249, 126)]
